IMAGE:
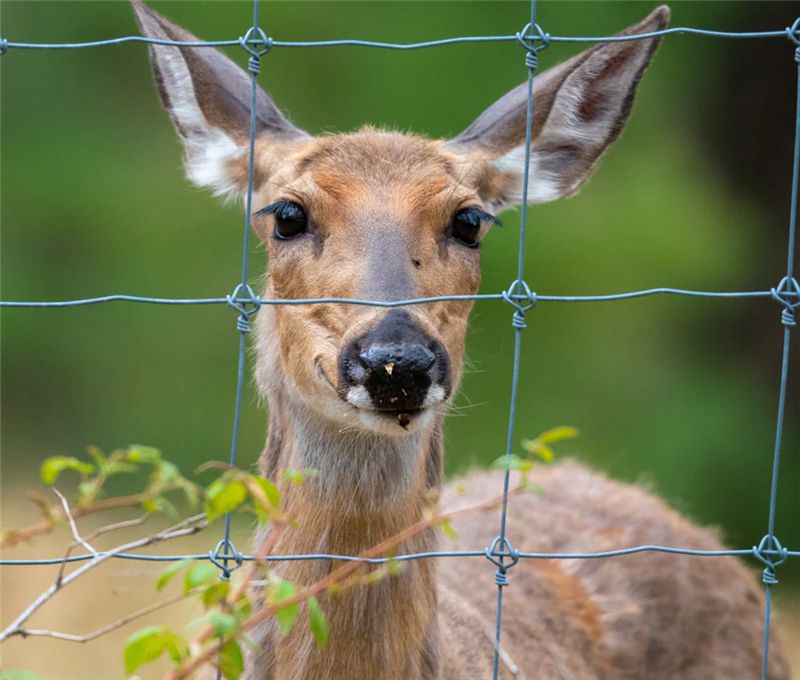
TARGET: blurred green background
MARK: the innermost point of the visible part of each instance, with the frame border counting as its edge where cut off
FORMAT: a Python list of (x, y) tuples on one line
[(678, 392)]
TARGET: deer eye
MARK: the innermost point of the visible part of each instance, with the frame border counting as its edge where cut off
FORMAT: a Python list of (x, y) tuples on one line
[(467, 225), (290, 219)]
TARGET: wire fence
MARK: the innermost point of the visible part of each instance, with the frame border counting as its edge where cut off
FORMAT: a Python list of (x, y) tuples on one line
[(768, 551)]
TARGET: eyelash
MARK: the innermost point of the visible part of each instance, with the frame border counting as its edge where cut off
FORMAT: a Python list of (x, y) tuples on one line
[(466, 224), (291, 219)]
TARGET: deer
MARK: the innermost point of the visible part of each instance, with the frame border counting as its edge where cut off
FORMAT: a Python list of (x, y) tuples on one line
[(359, 392)]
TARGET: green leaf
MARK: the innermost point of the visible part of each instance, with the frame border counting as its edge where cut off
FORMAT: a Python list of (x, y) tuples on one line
[(244, 606), (17, 674), (317, 622), (144, 454), (97, 456), (231, 660), (190, 491), (299, 476), (224, 495), (558, 434), (115, 467), (176, 646), (167, 573), (143, 646), (160, 504), (149, 643), (546, 453), (270, 490), (514, 462), (447, 529), (55, 465), (200, 574), (221, 623), (214, 594), (394, 567), (285, 616), (166, 472)]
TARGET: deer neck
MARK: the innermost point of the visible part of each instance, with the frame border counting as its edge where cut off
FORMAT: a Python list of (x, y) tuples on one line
[(368, 488)]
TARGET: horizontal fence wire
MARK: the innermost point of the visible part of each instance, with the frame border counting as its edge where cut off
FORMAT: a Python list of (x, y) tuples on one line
[(742, 552), (256, 43), (259, 301), (680, 30)]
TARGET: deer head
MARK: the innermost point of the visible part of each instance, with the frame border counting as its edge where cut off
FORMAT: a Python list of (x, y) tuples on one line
[(384, 216)]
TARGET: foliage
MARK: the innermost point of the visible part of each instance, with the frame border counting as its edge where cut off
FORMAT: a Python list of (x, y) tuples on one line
[(226, 607), (538, 448)]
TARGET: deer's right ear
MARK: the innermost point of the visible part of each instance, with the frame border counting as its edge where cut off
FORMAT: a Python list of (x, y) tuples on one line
[(208, 98)]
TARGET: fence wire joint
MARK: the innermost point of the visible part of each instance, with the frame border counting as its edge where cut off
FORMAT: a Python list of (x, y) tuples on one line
[(788, 289), (246, 302), (528, 37), (771, 553), (222, 554), (501, 550), (518, 292), (256, 43)]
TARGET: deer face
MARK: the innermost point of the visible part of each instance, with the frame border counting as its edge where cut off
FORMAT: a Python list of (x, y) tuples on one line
[(383, 216), (372, 216)]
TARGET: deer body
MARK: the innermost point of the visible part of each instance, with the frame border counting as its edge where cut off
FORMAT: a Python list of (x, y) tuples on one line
[(359, 394)]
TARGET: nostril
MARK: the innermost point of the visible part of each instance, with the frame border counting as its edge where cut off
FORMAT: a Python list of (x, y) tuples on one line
[(420, 358), (411, 358)]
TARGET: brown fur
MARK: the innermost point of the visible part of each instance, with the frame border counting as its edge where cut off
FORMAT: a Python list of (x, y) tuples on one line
[(379, 206)]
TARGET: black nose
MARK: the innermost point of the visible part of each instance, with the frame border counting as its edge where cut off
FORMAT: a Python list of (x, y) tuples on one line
[(396, 362), (400, 358)]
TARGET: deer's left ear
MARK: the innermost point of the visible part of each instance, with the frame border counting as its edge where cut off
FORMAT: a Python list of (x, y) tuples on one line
[(580, 107)]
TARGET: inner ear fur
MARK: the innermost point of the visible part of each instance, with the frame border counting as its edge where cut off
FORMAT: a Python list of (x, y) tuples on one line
[(208, 97), (579, 108)]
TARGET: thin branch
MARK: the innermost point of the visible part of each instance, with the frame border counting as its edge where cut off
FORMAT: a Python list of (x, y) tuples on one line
[(125, 524), (14, 537), (512, 667), (182, 528), (70, 637), (73, 527)]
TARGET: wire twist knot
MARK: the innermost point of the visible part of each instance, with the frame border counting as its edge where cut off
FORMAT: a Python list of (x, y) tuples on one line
[(793, 33), (528, 37), (786, 290), (222, 554), (3, 46), (246, 302), (500, 550), (256, 43), (771, 553), (518, 291)]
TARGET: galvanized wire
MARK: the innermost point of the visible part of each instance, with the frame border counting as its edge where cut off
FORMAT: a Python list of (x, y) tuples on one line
[(769, 551)]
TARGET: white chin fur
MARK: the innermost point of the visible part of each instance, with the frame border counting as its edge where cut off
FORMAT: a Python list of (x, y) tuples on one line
[(383, 423), (389, 425)]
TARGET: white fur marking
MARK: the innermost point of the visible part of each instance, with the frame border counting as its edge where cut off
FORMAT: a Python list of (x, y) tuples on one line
[(434, 396), (359, 397), (209, 150)]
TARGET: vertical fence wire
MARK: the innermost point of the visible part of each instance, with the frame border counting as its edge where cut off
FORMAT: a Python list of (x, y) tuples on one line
[(242, 322), (502, 542), (788, 320)]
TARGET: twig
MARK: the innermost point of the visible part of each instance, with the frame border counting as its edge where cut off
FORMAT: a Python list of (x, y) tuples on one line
[(78, 539), (42, 527), (73, 527), (182, 528), (37, 632), (512, 667), (125, 524)]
